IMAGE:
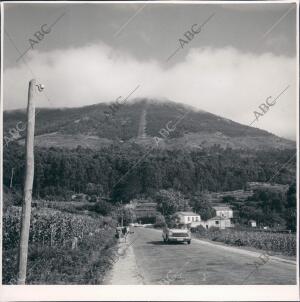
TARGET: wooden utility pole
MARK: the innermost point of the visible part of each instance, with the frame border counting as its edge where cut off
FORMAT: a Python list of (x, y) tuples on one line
[(29, 174)]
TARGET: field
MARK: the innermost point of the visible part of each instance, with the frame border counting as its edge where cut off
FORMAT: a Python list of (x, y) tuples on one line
[(284, 244), (64, 248)]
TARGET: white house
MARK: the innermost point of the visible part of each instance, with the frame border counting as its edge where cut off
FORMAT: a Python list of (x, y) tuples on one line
[(252, 223), (190, 218), (218, 222), (222, 219), (224, 211)]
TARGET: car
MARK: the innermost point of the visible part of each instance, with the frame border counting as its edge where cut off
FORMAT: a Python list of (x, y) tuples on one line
[(179, 233)]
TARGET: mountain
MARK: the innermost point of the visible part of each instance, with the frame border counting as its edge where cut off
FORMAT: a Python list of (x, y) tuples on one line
[(138, 122)]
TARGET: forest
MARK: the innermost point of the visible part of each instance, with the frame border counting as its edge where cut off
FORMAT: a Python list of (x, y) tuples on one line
[(119, 174), (125, 173)]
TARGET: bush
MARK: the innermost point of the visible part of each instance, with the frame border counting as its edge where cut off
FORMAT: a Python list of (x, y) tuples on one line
[(159, 221), (101, 207), (93, 198), (201, 230), (11, 198)]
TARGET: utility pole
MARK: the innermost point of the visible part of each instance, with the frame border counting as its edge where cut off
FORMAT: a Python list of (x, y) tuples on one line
[(11, 177), (27, 193)]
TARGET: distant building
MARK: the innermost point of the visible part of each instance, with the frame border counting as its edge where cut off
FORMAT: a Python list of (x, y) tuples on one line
[(218, 222), (144, 209), (189, 218), (252, 223), (222, 220), (223, 211)]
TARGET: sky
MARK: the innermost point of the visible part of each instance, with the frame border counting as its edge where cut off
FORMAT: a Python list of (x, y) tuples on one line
[(242, 55)]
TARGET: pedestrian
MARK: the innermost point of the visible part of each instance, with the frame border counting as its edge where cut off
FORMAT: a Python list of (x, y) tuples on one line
[(124, 232)]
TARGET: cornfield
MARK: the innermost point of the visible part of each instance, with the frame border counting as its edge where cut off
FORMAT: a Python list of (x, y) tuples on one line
[(274, 242), (50, 227), (64, 248)]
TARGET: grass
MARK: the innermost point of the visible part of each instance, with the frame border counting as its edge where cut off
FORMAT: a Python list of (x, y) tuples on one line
[(51, 258), (274, 242)]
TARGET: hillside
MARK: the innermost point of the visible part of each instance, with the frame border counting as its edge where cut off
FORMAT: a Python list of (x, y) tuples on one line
[(138, 121)]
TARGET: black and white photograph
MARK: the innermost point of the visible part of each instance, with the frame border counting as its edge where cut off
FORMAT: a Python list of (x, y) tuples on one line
[(150, 144)]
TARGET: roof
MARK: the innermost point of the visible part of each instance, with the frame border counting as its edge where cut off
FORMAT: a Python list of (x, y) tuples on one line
[(222, 208), (187, 214), (218, 218)]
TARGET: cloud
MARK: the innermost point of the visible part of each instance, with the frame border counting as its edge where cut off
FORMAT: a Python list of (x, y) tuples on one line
[(223, 81)]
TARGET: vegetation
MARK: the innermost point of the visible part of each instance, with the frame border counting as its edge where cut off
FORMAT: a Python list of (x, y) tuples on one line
[(170, 201), (202, 207), (71, 242), (111, 176), (267, 207), (63, 247), (113, 172), (274, 242), (124, 123), (160, 221)]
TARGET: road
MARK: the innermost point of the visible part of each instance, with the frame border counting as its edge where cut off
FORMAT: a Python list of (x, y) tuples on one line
[(147, 260)]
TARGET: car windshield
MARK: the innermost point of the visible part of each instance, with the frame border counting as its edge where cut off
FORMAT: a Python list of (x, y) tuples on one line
[(178, 226)]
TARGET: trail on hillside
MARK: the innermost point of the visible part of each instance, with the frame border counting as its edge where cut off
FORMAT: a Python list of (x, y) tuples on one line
[(143, 123)]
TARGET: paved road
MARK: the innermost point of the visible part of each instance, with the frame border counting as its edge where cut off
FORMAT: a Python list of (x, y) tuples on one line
[(197, 263)]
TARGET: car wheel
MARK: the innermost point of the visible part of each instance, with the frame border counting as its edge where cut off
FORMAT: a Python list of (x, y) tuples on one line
[(189, 242)]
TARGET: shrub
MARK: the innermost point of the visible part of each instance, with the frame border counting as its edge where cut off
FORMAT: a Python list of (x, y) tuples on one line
[(159, 221), (201, 230)]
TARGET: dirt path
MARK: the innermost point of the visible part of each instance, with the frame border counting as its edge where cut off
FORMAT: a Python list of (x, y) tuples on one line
[(125, 270), (143, 124)]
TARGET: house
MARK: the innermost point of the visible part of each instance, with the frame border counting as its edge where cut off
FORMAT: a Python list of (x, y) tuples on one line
[(190, 218), (252, 223), (223, 211), (222, 219), (143, 209), (218, 222)]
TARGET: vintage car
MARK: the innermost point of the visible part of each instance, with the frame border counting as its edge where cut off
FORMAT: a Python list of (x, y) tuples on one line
[(179, 233)]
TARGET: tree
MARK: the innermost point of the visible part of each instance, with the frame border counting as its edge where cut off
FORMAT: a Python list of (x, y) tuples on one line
[(102, 207), (291, 196), (229, 199), (93, 198), (94, 189), (290, 213), (291, 219), (170, 201), (202, 207)]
